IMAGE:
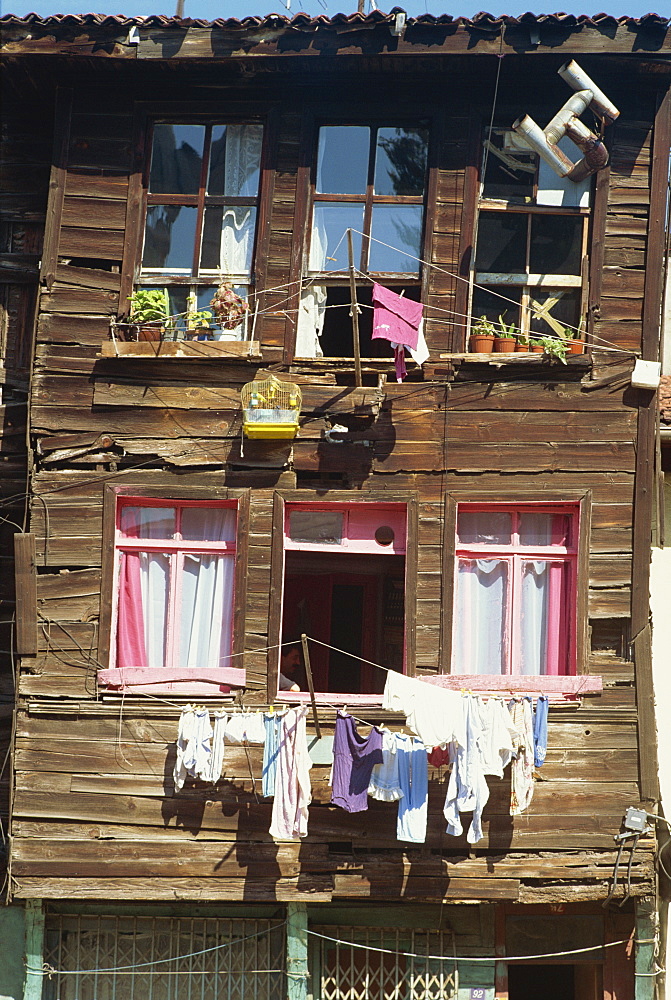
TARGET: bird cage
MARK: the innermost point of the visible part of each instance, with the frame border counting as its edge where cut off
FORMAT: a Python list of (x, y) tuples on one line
[(270, 408)]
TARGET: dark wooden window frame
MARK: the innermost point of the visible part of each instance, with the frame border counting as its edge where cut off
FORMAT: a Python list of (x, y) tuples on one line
[(107, 583), (207, 113), (583, 500), (277, 568), (369, 198), (375, 115), (594, 216)]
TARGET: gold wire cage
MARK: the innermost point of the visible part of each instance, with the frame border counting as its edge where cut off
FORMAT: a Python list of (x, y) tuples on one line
[(270, 408)]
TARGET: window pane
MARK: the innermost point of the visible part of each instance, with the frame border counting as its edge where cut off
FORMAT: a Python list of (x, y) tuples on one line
[(480, 645), (208, 524), (147, 522), (544, 642), (228, 239), (494, 302), (544, 529), (206, 613), (342, 160), (556, 244), (324, 527), (502, 243), (169, 237), (176, 159), (400, 226), (143, 603), (511, 171), (553, 309), (400, 160), (235, 160), (329, 226), (484, 527)]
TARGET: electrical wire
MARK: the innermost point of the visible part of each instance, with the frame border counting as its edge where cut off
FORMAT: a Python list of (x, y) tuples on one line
[(474, 958), (458, 277)]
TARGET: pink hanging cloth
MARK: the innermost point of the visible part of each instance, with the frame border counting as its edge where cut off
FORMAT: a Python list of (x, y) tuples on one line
[(397, 320)]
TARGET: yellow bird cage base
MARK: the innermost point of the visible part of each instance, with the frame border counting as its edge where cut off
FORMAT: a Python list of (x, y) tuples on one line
[(270, 408)]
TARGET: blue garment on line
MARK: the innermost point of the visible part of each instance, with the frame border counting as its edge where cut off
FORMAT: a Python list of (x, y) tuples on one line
[(413, 774), (540, 730), (270, 751)]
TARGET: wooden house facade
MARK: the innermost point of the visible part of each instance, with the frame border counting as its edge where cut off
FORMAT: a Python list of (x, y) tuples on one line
[(168, 155)]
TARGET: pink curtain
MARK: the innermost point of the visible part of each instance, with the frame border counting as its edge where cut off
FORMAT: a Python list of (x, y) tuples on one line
[(131, 648)]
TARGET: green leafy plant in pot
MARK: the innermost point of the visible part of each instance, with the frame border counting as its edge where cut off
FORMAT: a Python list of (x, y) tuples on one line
[(149, 313), (483, 335), (506, 336), (198, 325)]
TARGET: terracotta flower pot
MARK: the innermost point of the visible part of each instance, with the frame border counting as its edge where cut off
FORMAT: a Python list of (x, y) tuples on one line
[(481, 343), (537, 349), (522, 347), (150, 331), (504, 345), (576, 346)]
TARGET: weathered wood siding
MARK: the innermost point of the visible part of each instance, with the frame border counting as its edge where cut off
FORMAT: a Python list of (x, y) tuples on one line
[(94, 812)]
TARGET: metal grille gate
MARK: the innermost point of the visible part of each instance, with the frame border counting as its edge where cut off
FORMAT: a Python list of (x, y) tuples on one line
[(347, 972), (111, 958)]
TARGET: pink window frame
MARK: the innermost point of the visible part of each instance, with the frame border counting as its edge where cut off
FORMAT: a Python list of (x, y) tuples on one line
[(171, 676), (354, 546), (563, 586)]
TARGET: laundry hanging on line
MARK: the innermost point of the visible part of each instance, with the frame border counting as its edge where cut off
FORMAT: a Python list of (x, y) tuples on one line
[(399, 320)]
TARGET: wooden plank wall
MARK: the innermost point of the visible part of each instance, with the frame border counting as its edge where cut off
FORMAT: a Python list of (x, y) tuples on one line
[(24, 178), (114, 829)]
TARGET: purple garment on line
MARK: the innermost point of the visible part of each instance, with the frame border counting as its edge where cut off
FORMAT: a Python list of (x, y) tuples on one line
[(354, 757)]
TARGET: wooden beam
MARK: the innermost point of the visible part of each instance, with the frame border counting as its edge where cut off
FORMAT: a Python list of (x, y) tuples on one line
[(645, 453), (25, 578), (59, 164), (311, 686)]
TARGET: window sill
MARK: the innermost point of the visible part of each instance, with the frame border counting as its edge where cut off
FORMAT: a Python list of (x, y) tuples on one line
[(521, 358), (218, 350), (189, 682), (324, 699), (557, 688)]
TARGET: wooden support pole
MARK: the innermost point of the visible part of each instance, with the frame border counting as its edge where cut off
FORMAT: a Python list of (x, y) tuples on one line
[(355, 310), (32, 989), (25, 581), (311, 686), (645, 952), (297, 951)]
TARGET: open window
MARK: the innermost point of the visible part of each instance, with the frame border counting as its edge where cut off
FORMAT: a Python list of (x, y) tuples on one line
[(344, 570), (371, 179), (531, 249), (516, 589), (202, 199), (174, 575)]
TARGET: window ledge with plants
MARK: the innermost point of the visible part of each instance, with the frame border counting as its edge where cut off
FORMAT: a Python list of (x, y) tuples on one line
[(150, 330)]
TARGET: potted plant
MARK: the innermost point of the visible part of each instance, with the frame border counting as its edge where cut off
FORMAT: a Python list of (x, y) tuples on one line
[(576, 340), (483, 334), (522, 343), (556, 347), (149, 313), (198, 325), (229, 307), (505, 338)]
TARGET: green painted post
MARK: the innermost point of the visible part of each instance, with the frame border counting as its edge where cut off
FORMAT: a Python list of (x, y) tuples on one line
[(645, 953), (32, 989), (297, 951), (12, 936)]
